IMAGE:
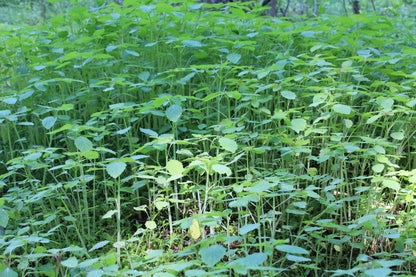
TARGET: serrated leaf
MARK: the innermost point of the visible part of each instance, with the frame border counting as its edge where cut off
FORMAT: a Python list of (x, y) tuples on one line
[(397, 135), (161, 204), (149, 132), (174, 167), (83, 144), (386, 104), (233, 58), (4, 218), (48, 122), (174, 112), (91, 155), (99, 245), (109, 214), (291, 249), (374, 118), (342, 109), (228, 144), (212, 254), (222, 169), (150, 224), (242, 265), (95, 273), (116, 169), (298, 124), (378, 168), (8, 272), (71, 262), (288, 94), (248, 228), (194, 229), (391, 184)]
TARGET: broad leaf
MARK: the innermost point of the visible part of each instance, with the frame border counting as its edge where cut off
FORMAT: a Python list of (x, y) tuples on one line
[(174, 167), (212, 254), (342, 109), (291, 249), (48, 122), (115, 169), (228, 144), (174, 112), (83, 144)]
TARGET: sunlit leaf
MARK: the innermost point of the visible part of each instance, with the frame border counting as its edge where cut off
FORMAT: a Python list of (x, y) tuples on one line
[(288, 94), (233, 58), (70, 262), (99, 245), (195, 230), (299, 124), (228, 144), (83, 144), (48, 122), (174, 112), (222, 169), (342, 109), (174, 167), (116, 169), (150, 224)]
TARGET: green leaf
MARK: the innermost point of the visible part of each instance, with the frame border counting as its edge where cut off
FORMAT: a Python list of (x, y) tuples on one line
[(234, 58), (150, 224), (391, 184), (222, 169), (378, 272), (342, 109), (397, 135), (378, 168), (48, 122), (83, 144), (297, 259), (288, 94), (291, 249), (99, 245), (374, 118), (91, 155), (109, 214), (96, 273), (386, 104), (228, 144), (4, 218), (71, 262), (251, 261), (8, 272), (212, 255), (191, 43), (248, 228), (298, 124), (161, 204), (174, 112), (115, 169), (174, 167), (149, 132)]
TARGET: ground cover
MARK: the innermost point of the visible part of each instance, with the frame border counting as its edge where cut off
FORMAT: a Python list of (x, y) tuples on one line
[(199, 140)]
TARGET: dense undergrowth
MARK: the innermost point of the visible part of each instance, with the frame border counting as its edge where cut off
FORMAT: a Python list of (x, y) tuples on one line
[(168, 140)]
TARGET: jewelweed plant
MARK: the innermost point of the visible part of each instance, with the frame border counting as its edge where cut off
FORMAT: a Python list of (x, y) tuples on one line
[(207, 140)]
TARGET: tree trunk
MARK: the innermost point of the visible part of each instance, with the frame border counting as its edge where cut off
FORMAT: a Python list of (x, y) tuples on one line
[(356, 7), (273, 8)]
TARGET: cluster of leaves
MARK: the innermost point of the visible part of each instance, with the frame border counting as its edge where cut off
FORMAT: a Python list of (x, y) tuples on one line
[(186, 139)]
